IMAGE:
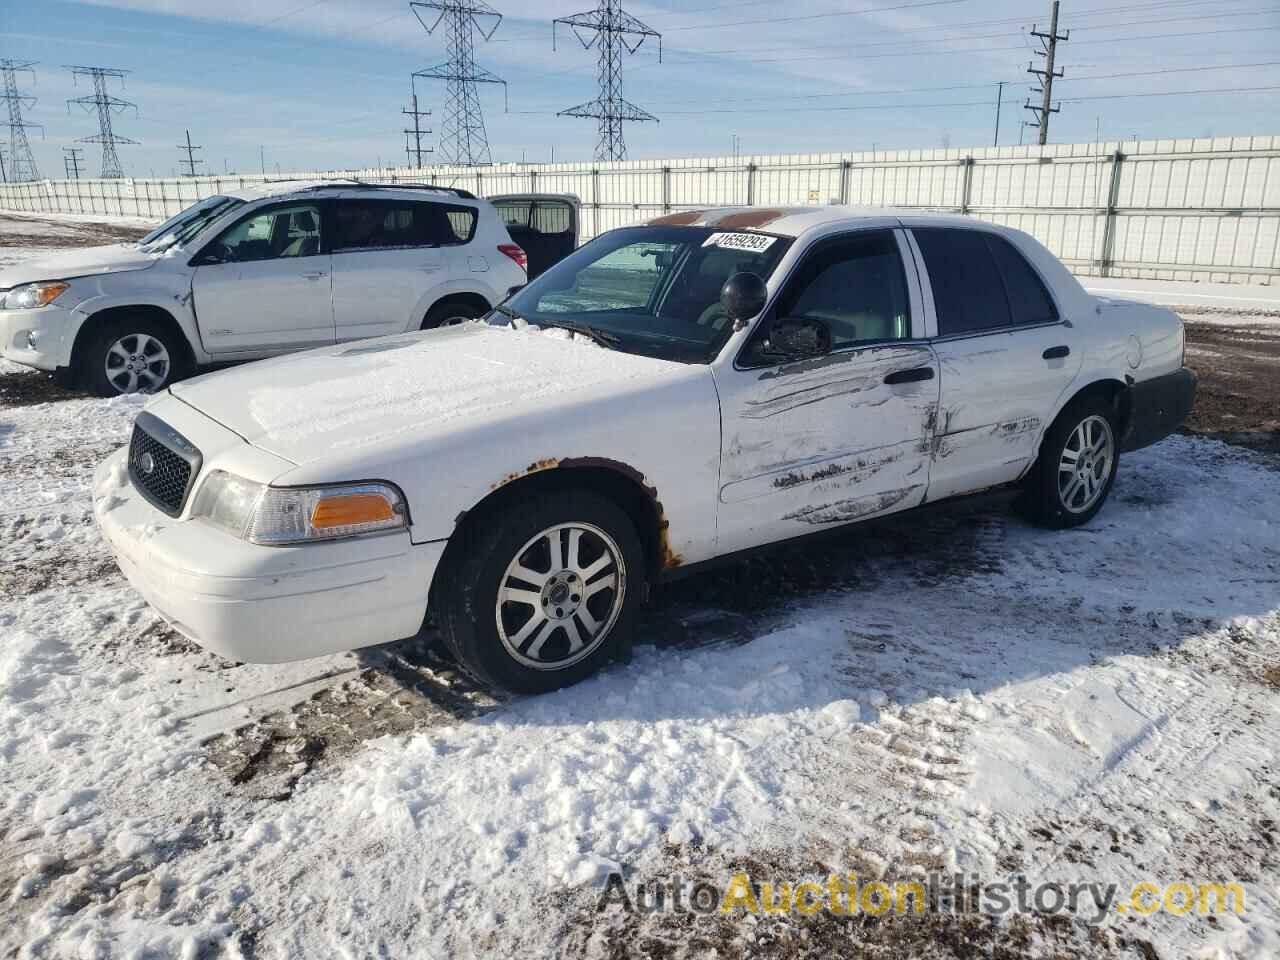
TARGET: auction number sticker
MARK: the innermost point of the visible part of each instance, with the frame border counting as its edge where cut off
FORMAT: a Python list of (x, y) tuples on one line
[(751, 242)]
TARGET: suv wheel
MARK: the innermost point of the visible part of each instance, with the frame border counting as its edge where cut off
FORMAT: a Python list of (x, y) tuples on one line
[(450, 314), (1076, 467), (541, 594), (130, 356)]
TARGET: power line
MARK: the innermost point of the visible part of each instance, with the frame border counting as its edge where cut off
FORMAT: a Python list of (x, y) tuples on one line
[(106, 106), (616, 33), (463, 139), (22, 163), (190, 150), (820, 16)]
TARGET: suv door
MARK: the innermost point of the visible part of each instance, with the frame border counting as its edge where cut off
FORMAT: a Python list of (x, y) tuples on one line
[(390, 259), (1007, 355), (821, 441), (263, 285), (545, 227)]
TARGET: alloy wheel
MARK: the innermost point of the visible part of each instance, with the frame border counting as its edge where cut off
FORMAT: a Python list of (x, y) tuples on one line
[(1085, 464), (137, 362)]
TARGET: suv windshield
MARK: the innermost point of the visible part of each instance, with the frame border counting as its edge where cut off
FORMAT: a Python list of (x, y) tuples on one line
[(648, 290), (188, 223)]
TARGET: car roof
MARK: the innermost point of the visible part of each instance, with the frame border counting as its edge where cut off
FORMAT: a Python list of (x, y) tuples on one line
[(794, 221), (279, 189)]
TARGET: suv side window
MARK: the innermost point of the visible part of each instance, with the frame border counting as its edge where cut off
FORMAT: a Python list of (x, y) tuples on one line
[(391, 224), (282, 232), (857, 286), (968, 290)]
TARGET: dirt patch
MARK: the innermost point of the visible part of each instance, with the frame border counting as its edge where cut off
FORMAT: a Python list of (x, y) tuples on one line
[(1238, 400), (1271, 677), (29, 388), (38, 232)]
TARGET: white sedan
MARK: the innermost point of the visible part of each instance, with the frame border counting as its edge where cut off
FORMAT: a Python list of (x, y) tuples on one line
[(708, 383)]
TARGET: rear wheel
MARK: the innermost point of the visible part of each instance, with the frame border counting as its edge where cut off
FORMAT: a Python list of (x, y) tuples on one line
[(130, 355), (542, 593), (451, 313), (1076, 467)]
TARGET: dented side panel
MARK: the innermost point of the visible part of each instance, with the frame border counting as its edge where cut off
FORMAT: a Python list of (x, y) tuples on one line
[(822, 442)]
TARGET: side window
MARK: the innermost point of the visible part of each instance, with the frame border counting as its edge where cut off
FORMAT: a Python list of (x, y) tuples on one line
[(968, 291), (857, 286), (1028, 298), (275, 234), (622, 280), (514, 213), (392, 224)]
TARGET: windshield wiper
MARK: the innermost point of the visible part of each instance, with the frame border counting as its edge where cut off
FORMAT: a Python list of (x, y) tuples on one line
[(610, 341)]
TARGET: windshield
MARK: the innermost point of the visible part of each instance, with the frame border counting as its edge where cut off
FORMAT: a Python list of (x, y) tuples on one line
[(648, 290), (188, 223)]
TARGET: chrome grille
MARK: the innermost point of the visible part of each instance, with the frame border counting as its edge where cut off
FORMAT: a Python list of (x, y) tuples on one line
[(162, 464)]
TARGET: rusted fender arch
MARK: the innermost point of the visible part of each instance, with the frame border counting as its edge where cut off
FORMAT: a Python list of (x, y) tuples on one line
[(666, 558)]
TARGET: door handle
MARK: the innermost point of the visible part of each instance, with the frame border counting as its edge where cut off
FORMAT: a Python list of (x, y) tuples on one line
[(1057, 353), (315, 274), (914, 375)]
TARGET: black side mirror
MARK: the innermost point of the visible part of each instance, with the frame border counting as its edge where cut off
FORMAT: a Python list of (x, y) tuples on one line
[(743, 296), (798, 338)]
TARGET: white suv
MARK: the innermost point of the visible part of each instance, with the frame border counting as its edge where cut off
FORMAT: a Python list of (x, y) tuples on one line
[(263, 271)]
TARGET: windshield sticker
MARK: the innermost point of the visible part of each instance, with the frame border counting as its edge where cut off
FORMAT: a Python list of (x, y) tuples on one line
[(751, 242)]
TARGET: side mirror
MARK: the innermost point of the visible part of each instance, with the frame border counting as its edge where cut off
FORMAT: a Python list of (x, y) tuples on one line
[(796, 339), (743, 296)]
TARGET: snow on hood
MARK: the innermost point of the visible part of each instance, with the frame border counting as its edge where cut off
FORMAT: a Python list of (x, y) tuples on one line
[(116, 258), (355, 395)]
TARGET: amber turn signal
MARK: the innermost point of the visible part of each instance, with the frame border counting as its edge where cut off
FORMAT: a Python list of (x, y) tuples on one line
[(348, 509)]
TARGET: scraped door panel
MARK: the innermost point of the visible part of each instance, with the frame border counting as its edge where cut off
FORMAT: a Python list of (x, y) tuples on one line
[(824, 442)]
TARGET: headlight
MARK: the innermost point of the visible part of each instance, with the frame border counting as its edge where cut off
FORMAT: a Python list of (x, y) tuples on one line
[(33, 295), (275, 516)]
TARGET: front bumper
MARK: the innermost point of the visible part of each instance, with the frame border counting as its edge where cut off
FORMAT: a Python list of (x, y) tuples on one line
[(1158, 407), (263, 604), (53, 330)]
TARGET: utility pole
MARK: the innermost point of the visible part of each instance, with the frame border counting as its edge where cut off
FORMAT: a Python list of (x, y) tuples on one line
[(22, 165), (106, 106), (413, 138), (4, 177), (999, 104), (463, 139), (262, 159), (615, 33), (190, 151), (71, 162), (1049, 45)]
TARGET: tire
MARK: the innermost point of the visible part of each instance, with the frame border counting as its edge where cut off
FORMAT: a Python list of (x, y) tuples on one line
[(146, 355), (1057, 493), (525, 645), (449, 313)]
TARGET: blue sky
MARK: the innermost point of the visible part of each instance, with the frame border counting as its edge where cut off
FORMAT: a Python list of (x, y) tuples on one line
[(321, 84)]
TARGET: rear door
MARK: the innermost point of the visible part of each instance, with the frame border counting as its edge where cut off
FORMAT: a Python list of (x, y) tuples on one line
[(546, 227), (1006, 353), (389, 259), (264, 284)]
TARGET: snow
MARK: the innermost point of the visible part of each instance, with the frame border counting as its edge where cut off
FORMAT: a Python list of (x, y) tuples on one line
[(999, 692), (1257, 300)]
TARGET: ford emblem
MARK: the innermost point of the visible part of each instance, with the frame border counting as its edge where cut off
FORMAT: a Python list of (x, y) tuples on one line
[(147, 464)]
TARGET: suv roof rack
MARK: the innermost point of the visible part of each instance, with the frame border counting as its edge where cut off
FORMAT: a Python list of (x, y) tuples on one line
[(366, 185)]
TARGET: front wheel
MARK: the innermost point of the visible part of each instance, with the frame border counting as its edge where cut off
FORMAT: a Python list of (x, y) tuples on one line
[(451, 313), (130, 356), (543, 592), (1077, 465)]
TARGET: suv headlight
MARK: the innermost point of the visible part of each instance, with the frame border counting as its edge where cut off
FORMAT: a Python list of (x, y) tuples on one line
[(32, 295), (275, 516)]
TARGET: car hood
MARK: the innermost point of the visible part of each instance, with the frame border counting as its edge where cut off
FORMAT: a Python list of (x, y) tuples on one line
[(359, 396), (89, 261)]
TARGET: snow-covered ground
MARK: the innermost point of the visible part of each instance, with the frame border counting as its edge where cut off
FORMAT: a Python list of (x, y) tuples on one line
[(952, 691), (1256, 299)]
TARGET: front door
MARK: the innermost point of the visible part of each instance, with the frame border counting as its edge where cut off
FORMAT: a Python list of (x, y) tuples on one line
[(264, 284), (818, 442), (1007, 357)]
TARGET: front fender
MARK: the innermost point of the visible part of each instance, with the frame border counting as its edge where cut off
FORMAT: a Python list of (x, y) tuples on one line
[(176, 303)]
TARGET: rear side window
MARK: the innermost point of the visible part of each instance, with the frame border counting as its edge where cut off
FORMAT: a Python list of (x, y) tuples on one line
[(981, 282), (1028, 299), (968, 290), (388, 224)]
